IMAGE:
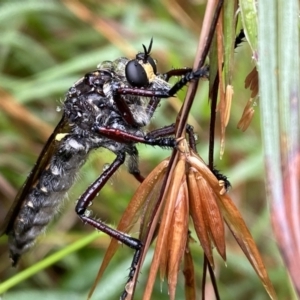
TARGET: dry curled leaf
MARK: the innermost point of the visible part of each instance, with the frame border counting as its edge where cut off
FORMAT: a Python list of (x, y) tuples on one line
[(196, 212), (193, 191), (178, 238), (251, 82), (247, 115), (235, 223)]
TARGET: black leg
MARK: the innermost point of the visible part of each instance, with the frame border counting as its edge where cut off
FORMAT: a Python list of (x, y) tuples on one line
[(134, 263), (201, 73), (86, 199), (191, 135)]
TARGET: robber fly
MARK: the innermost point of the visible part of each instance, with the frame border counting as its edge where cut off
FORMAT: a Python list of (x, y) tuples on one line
[(109, 108)]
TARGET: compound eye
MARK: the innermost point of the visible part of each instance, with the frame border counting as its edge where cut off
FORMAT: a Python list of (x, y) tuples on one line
[(136, 74)]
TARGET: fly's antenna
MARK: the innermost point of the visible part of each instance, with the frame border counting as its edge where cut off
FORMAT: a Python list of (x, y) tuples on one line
[(147, 52)]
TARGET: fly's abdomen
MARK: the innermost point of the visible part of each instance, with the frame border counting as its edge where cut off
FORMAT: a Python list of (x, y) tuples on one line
[(44, 199)]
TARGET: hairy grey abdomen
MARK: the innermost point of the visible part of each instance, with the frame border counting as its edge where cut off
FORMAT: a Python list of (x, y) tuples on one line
[(44, 199)]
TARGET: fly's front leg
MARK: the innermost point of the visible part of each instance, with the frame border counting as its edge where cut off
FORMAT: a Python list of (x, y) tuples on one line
[(188, 76), (124, 109), (176, 72), (86, 199)]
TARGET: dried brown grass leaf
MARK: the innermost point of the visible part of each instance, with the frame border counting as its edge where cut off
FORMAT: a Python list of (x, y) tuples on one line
[(247, 116), (178, 238), (228, 101), (196, 212), (212, 214), (195, 161), (235, 223), (165, 225), (251, 82), (243, 236)]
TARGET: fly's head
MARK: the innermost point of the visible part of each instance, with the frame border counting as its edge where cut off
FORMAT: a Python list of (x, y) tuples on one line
[(141, 72)]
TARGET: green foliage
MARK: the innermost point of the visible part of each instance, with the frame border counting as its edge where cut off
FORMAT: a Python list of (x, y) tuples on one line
[(44, 49)]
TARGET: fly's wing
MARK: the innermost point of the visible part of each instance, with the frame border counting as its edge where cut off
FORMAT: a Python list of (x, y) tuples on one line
[(39, 167)]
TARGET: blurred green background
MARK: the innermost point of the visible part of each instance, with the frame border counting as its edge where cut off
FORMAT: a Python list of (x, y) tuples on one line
[(45, 46)]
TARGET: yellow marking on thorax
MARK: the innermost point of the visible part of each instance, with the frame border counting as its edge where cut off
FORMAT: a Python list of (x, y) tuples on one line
[(60, 136)]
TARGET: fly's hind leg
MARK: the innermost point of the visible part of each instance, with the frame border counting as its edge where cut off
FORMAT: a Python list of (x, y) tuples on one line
[(86, 199)]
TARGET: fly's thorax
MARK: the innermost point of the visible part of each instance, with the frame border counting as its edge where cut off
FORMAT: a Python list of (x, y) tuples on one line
[(86, 101), (118, 67)]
